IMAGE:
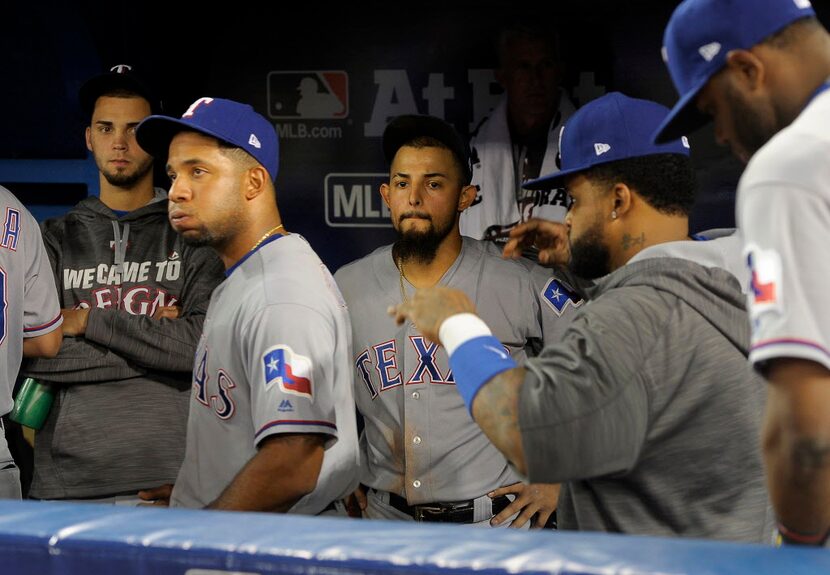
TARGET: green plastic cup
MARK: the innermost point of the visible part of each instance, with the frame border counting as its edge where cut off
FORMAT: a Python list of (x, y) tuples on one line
[(32, 403)]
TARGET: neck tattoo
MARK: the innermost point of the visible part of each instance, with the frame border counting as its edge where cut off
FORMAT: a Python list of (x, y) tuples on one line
[(265, 237)]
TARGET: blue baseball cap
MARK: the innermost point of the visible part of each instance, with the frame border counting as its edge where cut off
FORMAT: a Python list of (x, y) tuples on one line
[(698, 37), (234, 123), (613, 127)]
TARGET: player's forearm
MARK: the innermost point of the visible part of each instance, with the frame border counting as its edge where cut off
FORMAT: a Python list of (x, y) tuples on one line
[(284, 470), (798, 475), (496, 411), (797, 445), (46, 345), (165, 344), (80, 361)]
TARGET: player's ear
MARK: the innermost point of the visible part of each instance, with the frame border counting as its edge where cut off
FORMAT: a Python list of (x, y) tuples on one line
[(384, 193), (621, 198), (256, 181), (88, 136), (746, 67), (465, 199)]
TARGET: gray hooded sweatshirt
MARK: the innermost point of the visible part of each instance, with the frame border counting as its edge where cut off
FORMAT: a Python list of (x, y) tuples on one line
[(649, 411), (119, 419)]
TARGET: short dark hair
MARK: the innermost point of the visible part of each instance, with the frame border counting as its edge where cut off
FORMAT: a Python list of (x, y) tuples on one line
[(239, 156), (430, 142), (426, 131), (120, 93), (666, 181)]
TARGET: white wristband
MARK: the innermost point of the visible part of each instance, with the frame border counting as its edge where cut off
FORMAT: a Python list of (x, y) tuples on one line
[(460, 328)]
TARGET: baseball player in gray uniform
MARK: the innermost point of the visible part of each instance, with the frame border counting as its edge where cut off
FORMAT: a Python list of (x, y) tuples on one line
[(31, 317), (272, 423), (423, 456), (760, 69)]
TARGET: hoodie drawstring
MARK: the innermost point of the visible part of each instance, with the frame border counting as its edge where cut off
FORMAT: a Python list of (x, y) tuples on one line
[(120, 248)]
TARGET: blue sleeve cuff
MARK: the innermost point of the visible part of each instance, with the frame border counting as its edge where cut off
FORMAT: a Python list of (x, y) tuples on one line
[(477, 361)]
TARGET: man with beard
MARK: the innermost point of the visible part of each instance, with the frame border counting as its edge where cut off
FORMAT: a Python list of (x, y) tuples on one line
[(272, 421), (763, 78), (647, 410), (423, 456), (133, 299)]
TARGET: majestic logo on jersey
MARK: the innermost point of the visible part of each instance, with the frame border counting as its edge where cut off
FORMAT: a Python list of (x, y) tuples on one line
[(285, 406), (765, 283), (291, 371), (558, 297)]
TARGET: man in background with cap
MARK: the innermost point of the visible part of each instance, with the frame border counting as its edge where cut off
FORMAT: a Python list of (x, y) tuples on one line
[(647, 409), (760, 69), (423, 456), (133, 298), (272, 421)]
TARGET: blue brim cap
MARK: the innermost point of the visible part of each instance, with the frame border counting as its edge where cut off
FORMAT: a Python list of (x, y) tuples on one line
[(699, 36), (232, 122), (613, 127)]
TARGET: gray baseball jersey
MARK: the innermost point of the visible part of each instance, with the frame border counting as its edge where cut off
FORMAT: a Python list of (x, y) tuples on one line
[(419, 440), (274, 357), (783, 212), (29, 300)]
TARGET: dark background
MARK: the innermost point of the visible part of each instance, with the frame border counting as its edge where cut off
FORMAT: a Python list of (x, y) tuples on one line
[(188, 51)]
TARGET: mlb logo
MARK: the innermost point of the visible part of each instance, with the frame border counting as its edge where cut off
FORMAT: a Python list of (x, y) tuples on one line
[(308, 95), (291, 371), (353, 201), (558, 296)]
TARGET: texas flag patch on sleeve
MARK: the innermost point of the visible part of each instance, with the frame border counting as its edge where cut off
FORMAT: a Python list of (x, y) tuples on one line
[(558, 296), (765, 282), (291, 371)]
